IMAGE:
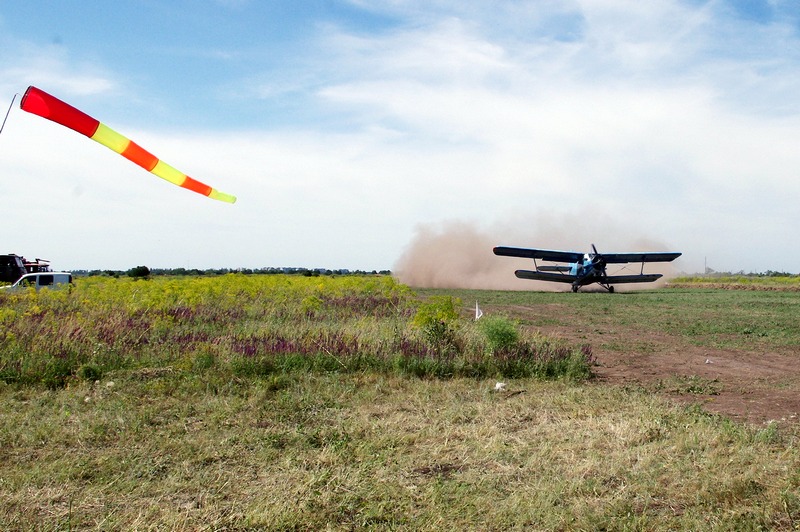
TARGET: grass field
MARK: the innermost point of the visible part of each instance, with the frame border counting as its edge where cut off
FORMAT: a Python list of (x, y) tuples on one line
[(771, 281), (287, 403), (719, 317)]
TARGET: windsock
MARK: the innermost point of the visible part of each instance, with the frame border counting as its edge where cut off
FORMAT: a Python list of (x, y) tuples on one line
[(40, 103)]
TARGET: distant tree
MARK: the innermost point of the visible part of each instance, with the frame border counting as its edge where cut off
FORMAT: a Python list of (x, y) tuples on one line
[(139, 272)]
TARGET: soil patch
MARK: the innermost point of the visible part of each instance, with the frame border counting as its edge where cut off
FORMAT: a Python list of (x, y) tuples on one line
[(753, 386)]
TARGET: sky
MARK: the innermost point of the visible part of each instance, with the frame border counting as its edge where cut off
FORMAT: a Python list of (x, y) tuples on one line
[(354, 133)]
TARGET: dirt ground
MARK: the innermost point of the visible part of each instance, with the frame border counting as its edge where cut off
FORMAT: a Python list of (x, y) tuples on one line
[(755, 387)]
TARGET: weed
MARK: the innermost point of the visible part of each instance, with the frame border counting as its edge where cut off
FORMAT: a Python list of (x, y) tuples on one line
[(695, 385)]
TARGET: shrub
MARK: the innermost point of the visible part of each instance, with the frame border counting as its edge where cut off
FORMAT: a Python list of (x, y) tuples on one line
[(437, 319), (500, 332)]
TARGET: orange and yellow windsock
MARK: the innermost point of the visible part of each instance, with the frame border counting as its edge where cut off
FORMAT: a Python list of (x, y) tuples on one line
[(40, 103)]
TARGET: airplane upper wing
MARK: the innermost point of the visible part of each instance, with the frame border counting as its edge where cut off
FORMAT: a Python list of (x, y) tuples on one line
[(620, 258), (544, 254)]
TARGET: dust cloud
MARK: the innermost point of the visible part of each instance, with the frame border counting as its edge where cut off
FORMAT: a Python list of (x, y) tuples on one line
[(458, 254)]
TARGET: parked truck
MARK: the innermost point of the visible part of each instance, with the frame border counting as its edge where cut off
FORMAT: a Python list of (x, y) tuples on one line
[(35, 273)]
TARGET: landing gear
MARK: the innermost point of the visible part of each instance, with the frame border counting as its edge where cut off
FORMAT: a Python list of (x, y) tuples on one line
[(574, 288), (604, 283)]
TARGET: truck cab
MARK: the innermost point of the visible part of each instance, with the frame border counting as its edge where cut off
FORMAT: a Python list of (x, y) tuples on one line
[(12, 267)]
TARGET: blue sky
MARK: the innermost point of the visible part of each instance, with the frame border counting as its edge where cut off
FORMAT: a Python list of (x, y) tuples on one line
[(406, 134)]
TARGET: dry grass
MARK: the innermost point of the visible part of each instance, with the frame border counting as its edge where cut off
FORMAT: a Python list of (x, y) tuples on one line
[(185, 430), (313, 451)]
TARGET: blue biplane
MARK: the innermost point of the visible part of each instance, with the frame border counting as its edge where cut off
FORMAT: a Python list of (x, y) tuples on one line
[(584, 268)]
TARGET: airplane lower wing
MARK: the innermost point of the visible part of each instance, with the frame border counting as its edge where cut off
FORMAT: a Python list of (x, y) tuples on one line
[(544, 254), (563, 278), (548, 268), (541, 276), (644, 278)]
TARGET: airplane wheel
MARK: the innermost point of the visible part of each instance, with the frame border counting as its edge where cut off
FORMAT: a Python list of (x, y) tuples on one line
[(610, 289), (574, 288)]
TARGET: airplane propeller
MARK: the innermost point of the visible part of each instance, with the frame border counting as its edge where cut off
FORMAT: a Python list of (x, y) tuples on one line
[(599, 263), (597, 258)]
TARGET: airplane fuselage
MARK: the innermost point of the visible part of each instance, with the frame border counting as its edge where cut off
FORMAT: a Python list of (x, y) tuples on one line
[(581, 268), (586, 272)]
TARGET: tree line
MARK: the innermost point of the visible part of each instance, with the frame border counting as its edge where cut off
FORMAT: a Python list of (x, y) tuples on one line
[(144, 272)]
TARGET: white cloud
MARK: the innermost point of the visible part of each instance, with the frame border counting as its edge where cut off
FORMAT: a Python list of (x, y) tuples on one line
[(50, 66)]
